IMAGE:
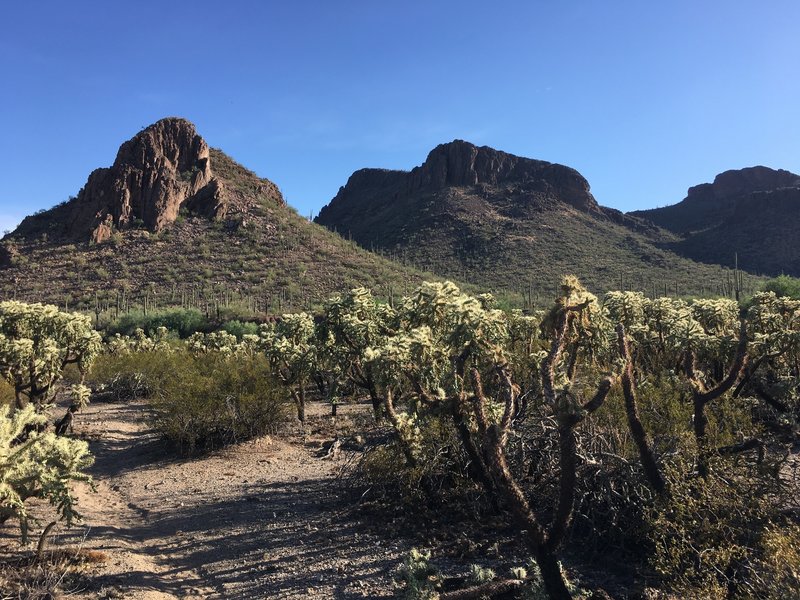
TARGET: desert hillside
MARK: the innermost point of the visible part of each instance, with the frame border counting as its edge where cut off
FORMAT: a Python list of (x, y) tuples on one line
[(174, 222), (751, 212), (508, 222)]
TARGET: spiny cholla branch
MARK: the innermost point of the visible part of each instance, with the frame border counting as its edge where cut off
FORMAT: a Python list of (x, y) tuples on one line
[(646, 455), (701, 396)]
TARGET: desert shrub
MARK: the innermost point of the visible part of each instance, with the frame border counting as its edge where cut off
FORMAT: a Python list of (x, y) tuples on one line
[(56, 574), (204, 401), (130, 375), (235, 311), (715, 537), (182, 321), (438, 477), (779, 563), (229, 399), (784, 285), (240, 328)]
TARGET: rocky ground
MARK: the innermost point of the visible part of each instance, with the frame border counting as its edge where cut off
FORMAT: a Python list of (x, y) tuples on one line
[(270, 518)]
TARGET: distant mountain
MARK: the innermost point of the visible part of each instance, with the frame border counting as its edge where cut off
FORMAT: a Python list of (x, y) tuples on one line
[(174, 220), (508, 222), (753, 212)]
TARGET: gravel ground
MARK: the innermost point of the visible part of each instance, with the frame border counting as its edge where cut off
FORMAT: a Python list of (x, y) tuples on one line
[(264, 519)]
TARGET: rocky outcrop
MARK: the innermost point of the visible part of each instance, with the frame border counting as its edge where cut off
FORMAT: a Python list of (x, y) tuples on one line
[(478, 172), (743, 181), (162, 169), (710, 204), (460, 163), (747, 214)]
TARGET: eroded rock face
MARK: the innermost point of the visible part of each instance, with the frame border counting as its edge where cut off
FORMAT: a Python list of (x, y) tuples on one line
[(163, 168), (743, 181), (484, 172), (463, 191), (460, 163)]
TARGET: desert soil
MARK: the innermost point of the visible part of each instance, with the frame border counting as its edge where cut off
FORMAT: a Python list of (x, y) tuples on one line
[(267, 518)]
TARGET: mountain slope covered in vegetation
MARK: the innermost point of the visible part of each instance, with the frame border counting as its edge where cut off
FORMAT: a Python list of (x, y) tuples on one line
[(174, 222), (751, 212), (496, 219)]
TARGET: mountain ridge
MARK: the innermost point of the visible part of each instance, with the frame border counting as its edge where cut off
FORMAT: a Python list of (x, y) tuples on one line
[(170, 212), (751, 213), (486, 215), (172, 218)]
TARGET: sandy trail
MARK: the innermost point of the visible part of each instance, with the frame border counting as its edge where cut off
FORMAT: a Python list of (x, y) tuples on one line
[(264, 519)]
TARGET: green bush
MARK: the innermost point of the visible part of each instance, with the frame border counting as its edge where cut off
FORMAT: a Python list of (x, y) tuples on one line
[(201, 402), (442, 467), (211, 400), (715, 538), (783, 285), (240, 328), (127, 376), (182, 321)]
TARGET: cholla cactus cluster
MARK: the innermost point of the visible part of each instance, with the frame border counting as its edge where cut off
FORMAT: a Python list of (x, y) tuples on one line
[(158, 341), (441, 354), (36, 343), (37, 465)]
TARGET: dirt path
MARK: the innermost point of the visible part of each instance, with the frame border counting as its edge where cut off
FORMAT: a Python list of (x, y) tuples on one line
[(265, 519)]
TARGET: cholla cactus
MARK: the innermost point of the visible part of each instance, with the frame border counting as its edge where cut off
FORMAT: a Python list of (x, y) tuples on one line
[(289, 345), (460, 322), (422, 579), (80, 394), (216, 341), (37, 465), (350, 325), (36, 343), (158, 341), (774, 324), (718, 316), (118, 345)]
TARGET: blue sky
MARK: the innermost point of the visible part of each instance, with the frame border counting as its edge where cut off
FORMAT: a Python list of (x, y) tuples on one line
[(644, 98)]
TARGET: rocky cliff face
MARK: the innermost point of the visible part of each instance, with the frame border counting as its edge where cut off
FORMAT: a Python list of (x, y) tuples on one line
[(710, 204), (748, 213), (743, 181), (476, 172), (380, 208), (460, 163), (162, 169)]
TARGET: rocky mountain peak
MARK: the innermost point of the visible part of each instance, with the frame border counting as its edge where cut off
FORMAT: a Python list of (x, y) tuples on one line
[(162, 169), (455, 165), (738, 182), (460, 163)]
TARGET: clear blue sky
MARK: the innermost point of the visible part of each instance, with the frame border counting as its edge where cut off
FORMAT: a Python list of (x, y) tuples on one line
[(643, 98)]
